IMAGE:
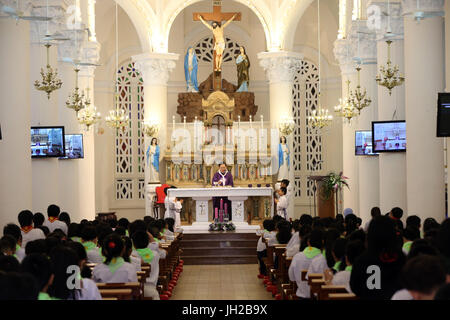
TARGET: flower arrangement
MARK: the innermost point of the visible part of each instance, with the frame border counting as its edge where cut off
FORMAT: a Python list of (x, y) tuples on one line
[(333, 183), (222, 226)]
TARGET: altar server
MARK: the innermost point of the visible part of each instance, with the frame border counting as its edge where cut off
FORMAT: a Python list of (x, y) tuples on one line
[(114, 269), (173, 208), (282, 203)]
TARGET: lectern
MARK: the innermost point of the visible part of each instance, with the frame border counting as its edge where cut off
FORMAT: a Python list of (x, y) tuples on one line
[(325, 207)]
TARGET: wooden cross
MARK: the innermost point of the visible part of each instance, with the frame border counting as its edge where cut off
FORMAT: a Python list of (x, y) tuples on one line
[(218, 16)]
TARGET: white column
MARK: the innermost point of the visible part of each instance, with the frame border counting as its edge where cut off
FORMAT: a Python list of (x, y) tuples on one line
[(424, 71), (86, 186), (447, 81), (281, 68), (15, 154), (155, 69), (392, 166), (368, 169), (343, 52)]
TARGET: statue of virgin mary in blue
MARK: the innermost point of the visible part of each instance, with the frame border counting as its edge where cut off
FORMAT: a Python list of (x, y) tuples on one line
[(190, 70)]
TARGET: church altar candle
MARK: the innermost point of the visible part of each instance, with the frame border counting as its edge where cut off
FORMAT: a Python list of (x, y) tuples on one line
[(250, 121), (262, 122), (221, 204), (216, 214)]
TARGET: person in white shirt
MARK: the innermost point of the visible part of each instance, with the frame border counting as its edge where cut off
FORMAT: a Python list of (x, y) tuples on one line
[(374, 212), (261, 249), (282, 203), (89, 241), (114, 269), (52, 223), (89, 290), (293, 245), (147, 255), (173, 209), (353, 250), (127, 255), (13, 230), (303, 260), (25, 218)]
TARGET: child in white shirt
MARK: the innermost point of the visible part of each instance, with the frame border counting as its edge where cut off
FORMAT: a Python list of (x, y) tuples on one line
[(147, 255), (26, 226), (114, 269), (261, 248), (303, 260), (89, 241), (52, 223), (353, 250), (282, 203)]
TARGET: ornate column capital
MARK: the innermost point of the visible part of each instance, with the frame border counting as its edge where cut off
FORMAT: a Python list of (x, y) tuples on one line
[(155, 67), (343, 52), (378, 21), (280, 66), (423, 8), (57, 10), (363, 41)]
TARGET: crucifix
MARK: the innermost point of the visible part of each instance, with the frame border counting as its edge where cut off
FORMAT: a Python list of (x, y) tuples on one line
[(217, 16)]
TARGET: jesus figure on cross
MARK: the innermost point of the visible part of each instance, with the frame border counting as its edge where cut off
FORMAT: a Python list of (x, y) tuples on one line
[(219, 41)]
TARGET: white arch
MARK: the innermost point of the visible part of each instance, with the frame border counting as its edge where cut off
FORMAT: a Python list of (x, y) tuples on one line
[(174, 7), (141, 15), (296, 14)]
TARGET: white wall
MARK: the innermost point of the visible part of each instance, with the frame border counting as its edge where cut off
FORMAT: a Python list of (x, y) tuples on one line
[(15, 156)]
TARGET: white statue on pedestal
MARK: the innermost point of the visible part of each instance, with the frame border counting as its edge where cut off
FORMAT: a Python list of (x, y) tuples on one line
[(152, 154), (283, 159)]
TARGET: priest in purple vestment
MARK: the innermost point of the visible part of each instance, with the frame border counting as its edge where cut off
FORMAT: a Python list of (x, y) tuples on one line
[(222, 178)]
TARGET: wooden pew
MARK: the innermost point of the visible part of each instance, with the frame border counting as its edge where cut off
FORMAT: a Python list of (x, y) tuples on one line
[(315, 286), (342, 296), (326, 290), (134, 286), (120, 294)]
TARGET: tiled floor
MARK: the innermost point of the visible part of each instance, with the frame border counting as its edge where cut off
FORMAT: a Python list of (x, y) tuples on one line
[(220, 282)]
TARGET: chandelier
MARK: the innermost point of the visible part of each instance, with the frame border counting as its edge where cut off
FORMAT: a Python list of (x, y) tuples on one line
[(286, 125), (49, 81), (390, 76), (150, 127), (320, 118), (88, 115), (76, 100), (345, 109), (117, 119), (359, 99)]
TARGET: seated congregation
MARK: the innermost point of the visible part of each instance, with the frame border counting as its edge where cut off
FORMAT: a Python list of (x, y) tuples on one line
[(55, 259), (338, 259)]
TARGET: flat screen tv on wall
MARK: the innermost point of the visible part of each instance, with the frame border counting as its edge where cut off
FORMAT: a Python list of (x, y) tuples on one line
[(389, 136), (47, 142)]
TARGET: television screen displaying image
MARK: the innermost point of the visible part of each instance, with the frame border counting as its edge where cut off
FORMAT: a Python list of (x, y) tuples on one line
[(363, 143), (74, 146), (443, 115), (47, 142), (389, 136)]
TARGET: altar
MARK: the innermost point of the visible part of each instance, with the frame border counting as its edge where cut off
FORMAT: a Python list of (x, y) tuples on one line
[(236, 195)]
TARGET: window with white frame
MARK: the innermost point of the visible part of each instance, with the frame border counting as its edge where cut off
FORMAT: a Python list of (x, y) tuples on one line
[(129, 142), (307, 141)]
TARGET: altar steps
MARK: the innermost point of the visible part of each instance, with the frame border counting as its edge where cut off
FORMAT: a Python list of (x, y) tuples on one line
[(219, 248)]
